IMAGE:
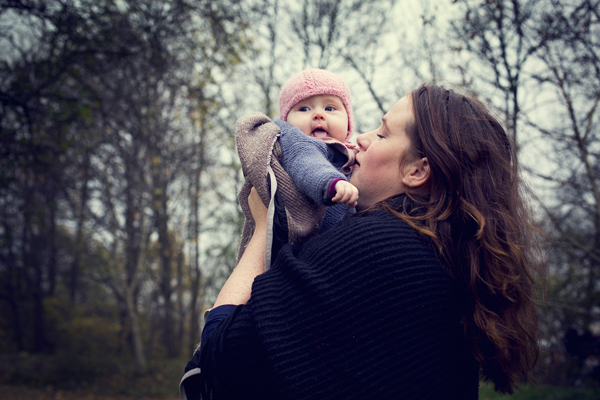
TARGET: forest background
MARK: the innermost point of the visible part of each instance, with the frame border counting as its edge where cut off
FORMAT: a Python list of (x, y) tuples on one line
[(119, 174)]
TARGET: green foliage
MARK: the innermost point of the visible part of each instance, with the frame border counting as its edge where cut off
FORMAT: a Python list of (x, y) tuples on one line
[(91, 355), (86, 346), (89, 346)]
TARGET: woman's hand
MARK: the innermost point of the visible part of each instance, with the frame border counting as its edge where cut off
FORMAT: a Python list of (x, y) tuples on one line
[(258, 209)]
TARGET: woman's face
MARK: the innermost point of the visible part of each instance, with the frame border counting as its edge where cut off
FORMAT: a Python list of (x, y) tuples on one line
[(379, 170)]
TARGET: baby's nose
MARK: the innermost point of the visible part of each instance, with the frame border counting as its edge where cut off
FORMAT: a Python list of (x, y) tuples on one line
[(318, 115)]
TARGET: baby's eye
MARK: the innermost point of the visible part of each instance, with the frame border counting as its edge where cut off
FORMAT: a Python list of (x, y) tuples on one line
[(305, 108), (380, 136), (330, 108)]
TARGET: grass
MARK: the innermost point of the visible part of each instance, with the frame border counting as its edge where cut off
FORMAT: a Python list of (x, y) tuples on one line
[(8, 392), (486, 392)]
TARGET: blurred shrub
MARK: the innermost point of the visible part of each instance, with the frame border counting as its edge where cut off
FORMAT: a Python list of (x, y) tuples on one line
[(85, 349)]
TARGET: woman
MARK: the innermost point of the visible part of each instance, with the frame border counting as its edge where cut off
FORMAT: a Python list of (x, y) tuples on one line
[(437, 285)]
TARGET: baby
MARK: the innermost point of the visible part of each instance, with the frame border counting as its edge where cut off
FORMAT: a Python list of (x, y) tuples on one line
[(304, 155), (317, 102)]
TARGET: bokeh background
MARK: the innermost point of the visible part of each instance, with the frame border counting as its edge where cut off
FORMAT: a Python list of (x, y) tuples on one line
[(118, 169)]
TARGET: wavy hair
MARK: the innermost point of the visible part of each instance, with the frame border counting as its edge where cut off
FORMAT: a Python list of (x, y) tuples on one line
[(474, 211)]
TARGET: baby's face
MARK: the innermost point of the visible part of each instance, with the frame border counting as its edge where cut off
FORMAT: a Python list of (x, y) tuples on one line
[(320, 116)]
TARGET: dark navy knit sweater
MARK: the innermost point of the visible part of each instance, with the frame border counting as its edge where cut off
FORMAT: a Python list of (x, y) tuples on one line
[(380, 321)]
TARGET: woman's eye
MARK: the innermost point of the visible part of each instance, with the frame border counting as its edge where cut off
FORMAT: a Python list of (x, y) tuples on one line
[(380, 136)]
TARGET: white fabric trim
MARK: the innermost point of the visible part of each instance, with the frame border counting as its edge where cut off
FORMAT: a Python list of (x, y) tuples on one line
[(191, 372), (270, 217)]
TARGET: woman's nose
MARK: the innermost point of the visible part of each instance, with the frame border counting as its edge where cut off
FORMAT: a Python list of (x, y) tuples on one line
[(363, 141)]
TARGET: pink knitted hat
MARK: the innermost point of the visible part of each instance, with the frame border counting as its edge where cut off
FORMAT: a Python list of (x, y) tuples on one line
[(312, 82)]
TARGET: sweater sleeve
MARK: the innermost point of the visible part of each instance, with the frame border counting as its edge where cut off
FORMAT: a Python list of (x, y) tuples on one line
[(215, 316), (233, 362), (307, 161)]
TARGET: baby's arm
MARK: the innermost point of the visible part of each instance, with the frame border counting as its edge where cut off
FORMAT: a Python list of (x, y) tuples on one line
[(306, 161)]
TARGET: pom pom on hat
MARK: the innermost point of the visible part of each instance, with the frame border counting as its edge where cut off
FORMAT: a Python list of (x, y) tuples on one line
[(312, 82)]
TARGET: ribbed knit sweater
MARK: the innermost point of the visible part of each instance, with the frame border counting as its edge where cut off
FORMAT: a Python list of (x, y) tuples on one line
[(381, 321)]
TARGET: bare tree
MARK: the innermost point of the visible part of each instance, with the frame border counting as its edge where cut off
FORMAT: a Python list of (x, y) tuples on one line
[(571, 56), (91, 97), (342, 33), (500, 34)]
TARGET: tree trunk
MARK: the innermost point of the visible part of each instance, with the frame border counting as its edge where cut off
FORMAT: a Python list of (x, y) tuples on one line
[(138, 347), (79, 242), (161, 216)]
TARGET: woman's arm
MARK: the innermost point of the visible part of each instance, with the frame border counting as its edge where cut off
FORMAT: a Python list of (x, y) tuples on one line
[(238, 287)]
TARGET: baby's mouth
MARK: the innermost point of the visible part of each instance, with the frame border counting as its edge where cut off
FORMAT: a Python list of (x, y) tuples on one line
[(319, 133)]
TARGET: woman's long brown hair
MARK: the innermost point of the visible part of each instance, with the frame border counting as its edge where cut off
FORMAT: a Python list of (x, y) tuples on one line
[(475, 213)]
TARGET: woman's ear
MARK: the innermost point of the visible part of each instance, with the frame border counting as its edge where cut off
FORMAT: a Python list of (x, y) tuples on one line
[(416, 173)]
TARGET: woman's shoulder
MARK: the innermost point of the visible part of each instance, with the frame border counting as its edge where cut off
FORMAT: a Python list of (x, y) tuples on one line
[(367, 238), (377, 224)]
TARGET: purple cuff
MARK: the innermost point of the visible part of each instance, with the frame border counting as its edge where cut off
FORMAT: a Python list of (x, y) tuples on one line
[(330, 190)]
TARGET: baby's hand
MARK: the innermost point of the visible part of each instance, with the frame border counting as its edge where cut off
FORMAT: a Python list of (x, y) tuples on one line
[(346, 193)]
